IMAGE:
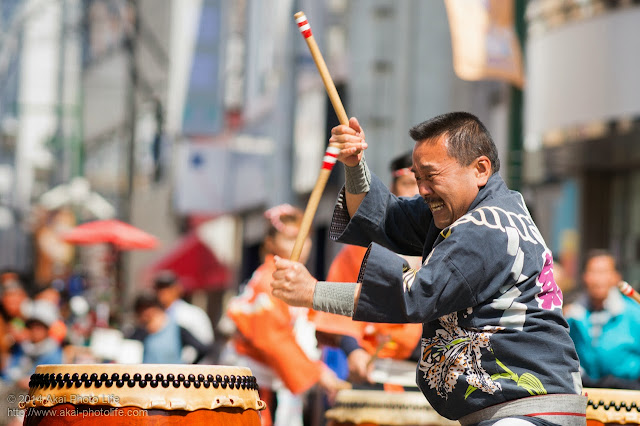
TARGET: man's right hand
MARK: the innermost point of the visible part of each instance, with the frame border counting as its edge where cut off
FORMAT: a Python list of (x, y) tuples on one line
[(331, 383), (350, 140), (360, 366)]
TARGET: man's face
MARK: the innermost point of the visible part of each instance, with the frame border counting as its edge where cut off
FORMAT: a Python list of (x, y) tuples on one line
[(282, 244), (405, 186), (446, 186), (167, 295), (599, 276), (37, 332), (12, 301)]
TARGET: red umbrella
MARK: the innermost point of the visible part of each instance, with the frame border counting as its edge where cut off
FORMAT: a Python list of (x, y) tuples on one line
[(122, 235), (196, 266)]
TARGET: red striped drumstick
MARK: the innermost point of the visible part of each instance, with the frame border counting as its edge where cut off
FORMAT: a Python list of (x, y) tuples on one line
[(627, 290), (331, 154)]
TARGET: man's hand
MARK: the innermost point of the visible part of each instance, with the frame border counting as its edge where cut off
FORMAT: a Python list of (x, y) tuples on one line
[(293, 283), (350, 140), (331, 383), (359, 366)]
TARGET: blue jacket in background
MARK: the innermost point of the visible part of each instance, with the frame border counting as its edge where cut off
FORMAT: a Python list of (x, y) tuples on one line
[(607, 341)]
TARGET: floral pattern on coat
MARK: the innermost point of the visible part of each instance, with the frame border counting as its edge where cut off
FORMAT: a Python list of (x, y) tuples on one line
[(454, 351)]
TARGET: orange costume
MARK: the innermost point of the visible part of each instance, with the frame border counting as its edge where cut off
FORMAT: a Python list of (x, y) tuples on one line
[(266, 334), (385, 340)]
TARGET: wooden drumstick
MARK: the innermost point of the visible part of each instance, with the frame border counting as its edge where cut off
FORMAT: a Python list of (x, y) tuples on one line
[(376, 354), (627, 290), (331, 153)]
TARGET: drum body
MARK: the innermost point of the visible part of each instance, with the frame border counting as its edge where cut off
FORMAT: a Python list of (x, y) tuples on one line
[(380, 408), (612, 407), (136, 394)]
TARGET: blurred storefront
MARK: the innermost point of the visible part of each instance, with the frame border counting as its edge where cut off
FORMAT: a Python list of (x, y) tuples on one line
[(582, 128)]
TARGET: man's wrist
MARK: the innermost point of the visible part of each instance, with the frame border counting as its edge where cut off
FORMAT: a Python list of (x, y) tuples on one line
[(357, 179), (334, 298)]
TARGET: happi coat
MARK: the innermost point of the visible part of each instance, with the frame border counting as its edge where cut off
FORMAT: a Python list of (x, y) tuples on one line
[(493, 329)]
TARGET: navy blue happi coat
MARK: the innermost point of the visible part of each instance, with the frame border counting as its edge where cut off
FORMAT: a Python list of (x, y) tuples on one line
[(493, 329)]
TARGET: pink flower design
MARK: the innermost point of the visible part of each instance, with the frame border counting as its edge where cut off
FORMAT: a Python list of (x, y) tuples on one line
[(550, 296)]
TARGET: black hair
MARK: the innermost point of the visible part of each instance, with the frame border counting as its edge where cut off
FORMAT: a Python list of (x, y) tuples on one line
[(404, 161), (145, 301), (165, 279), (467, 138), (599, 253)]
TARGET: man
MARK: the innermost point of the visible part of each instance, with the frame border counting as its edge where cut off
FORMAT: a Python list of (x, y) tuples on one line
[(605, 327), (186, 315), (493, 330), (163, 339)]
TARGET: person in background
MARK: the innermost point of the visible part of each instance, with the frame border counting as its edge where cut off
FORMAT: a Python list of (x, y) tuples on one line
[(58, 330), (362, 341), (13, 302), (163, 339), (169, 292), (605, 326), (38, 348), (274, 339)]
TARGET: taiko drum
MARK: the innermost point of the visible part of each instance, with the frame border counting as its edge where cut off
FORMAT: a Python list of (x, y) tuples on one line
[(136, 394)]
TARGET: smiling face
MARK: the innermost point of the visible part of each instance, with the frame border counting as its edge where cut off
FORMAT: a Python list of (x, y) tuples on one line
[(447, 187)]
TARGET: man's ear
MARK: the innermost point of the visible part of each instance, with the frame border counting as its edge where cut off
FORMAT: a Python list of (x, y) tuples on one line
[(482, 170)]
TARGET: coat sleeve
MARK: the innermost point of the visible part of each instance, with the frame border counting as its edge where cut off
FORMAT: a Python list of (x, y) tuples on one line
[(397, 223), (468, 265)]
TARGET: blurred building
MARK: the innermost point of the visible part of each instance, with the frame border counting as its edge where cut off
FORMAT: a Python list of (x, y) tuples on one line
[(39, 113), (582, 128), (13, 247)]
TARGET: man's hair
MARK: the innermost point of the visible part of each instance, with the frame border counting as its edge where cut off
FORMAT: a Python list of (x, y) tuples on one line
[(467, 137), (404, 161), (598, 252), (165, 279), (283, 218), (145, 301)]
